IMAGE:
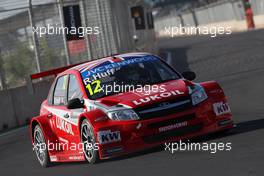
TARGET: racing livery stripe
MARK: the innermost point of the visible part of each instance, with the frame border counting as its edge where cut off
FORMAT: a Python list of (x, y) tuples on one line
[(92, 65), (60, 113)]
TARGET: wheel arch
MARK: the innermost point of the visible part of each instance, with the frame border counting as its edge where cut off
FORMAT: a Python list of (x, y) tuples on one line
[(81, 119), (44, 124), (92, 117), (213, 89), (33, 125)]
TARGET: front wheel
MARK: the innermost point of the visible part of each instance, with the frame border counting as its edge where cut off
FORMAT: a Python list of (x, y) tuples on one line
[(89, 142), (40, 147)]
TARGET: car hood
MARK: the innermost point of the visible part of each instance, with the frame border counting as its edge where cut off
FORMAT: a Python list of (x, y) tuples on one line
[(167, 91)]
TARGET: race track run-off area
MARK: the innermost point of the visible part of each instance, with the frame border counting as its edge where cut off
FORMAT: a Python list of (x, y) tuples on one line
[(236, 62)]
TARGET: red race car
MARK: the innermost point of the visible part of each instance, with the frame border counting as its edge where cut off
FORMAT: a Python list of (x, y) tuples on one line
[(122, 104)]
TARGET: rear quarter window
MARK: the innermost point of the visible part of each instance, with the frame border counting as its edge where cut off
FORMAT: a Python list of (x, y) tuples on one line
[(60, 91)]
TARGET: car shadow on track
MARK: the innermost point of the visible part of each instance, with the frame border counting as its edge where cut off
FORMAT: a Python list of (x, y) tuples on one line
[(247, 126), (242, 127)]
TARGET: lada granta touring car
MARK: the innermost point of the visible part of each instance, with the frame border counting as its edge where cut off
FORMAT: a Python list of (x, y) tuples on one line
[(88, 115)]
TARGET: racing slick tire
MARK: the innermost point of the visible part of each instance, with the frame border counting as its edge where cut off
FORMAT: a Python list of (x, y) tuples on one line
[(89, 142), (40, 147)]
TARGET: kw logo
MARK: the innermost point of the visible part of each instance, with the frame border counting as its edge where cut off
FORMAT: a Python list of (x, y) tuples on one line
[(105, 137), (221, 108)]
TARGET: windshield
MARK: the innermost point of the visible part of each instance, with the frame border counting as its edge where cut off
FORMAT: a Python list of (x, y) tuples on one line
[(111, 78)]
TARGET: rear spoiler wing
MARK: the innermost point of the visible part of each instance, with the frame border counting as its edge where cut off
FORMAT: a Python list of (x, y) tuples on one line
[(56, 71), (53, 72)]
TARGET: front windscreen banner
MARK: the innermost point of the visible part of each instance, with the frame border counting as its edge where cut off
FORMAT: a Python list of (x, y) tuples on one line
[(138, 14), (72, 20)]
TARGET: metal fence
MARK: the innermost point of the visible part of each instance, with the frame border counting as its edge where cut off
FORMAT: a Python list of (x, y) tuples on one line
[(23, 53)]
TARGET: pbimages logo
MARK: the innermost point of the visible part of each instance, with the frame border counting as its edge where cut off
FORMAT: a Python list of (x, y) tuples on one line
[(65, 146), (57, 30), (212, 31), (211, 147)]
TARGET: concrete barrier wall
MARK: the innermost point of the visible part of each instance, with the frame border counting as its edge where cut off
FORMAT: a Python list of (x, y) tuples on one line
[(19, 105), (7, 115), (188, 19), (216, 13), (258, 6)]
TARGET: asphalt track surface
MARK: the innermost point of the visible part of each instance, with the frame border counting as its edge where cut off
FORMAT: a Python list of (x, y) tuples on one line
[(237, 62)]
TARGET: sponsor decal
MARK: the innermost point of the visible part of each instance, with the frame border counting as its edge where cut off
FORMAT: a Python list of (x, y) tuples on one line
[(106, 137), (174, 126), (221, 108), (94, 87), (149, 89), (114, 150), (92, 78), (60, 113), (53, 158), (104, 68), (97, 76), (216, 91), (76, 158), (64, 125), (157, 97)]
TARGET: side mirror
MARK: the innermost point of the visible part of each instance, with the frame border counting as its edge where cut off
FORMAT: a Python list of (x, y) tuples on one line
[(189, 75), (75, 103)]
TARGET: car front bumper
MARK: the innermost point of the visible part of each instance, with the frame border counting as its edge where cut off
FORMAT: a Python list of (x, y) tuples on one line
[(131, 136)]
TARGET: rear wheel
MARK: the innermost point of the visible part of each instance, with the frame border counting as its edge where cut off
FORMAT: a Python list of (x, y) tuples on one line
[(40, 147), (89, 142)]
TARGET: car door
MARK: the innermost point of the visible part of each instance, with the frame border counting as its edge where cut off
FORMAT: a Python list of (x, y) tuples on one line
[(65, 121), (74, 91), (63, 125)]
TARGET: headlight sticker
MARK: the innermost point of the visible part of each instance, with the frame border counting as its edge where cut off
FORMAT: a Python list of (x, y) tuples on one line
[(198, 94)]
